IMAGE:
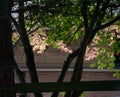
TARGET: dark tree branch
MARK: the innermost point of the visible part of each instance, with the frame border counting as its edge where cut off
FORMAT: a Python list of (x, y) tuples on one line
[(85, 14), (66, 65), (104, 6), (109, 23), (95, 15), (27, 48)]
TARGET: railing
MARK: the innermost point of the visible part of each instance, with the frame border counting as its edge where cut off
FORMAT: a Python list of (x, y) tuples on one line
[(113, 85)]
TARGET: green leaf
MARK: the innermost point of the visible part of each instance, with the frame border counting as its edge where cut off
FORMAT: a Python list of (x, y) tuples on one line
[(93, 65)]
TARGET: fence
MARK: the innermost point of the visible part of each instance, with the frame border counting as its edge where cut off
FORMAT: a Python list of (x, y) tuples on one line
[(69, 86)]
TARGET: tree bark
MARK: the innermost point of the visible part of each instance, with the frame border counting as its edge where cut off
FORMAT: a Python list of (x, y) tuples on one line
[(27, 48), (7, 87), (65, 68)]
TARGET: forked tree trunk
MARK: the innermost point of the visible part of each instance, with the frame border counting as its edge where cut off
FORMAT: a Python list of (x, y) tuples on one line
[(27, 48)]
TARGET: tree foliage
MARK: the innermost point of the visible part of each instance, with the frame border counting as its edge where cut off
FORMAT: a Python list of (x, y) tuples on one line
[(69, 20)]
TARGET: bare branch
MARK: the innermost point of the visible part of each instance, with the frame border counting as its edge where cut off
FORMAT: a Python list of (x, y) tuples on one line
[(109, 23)]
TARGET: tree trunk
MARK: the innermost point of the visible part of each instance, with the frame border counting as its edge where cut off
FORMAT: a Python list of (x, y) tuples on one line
[(21, 76), (7, 88), (65, 68), (27, 48)]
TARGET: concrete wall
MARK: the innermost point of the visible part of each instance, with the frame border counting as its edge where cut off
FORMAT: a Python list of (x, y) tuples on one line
[(51, 58)]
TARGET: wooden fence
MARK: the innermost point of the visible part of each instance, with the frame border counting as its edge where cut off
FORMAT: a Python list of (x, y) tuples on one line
[(113, 85)]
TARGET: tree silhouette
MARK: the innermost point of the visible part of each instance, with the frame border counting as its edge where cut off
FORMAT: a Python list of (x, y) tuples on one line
[(7, 88)]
